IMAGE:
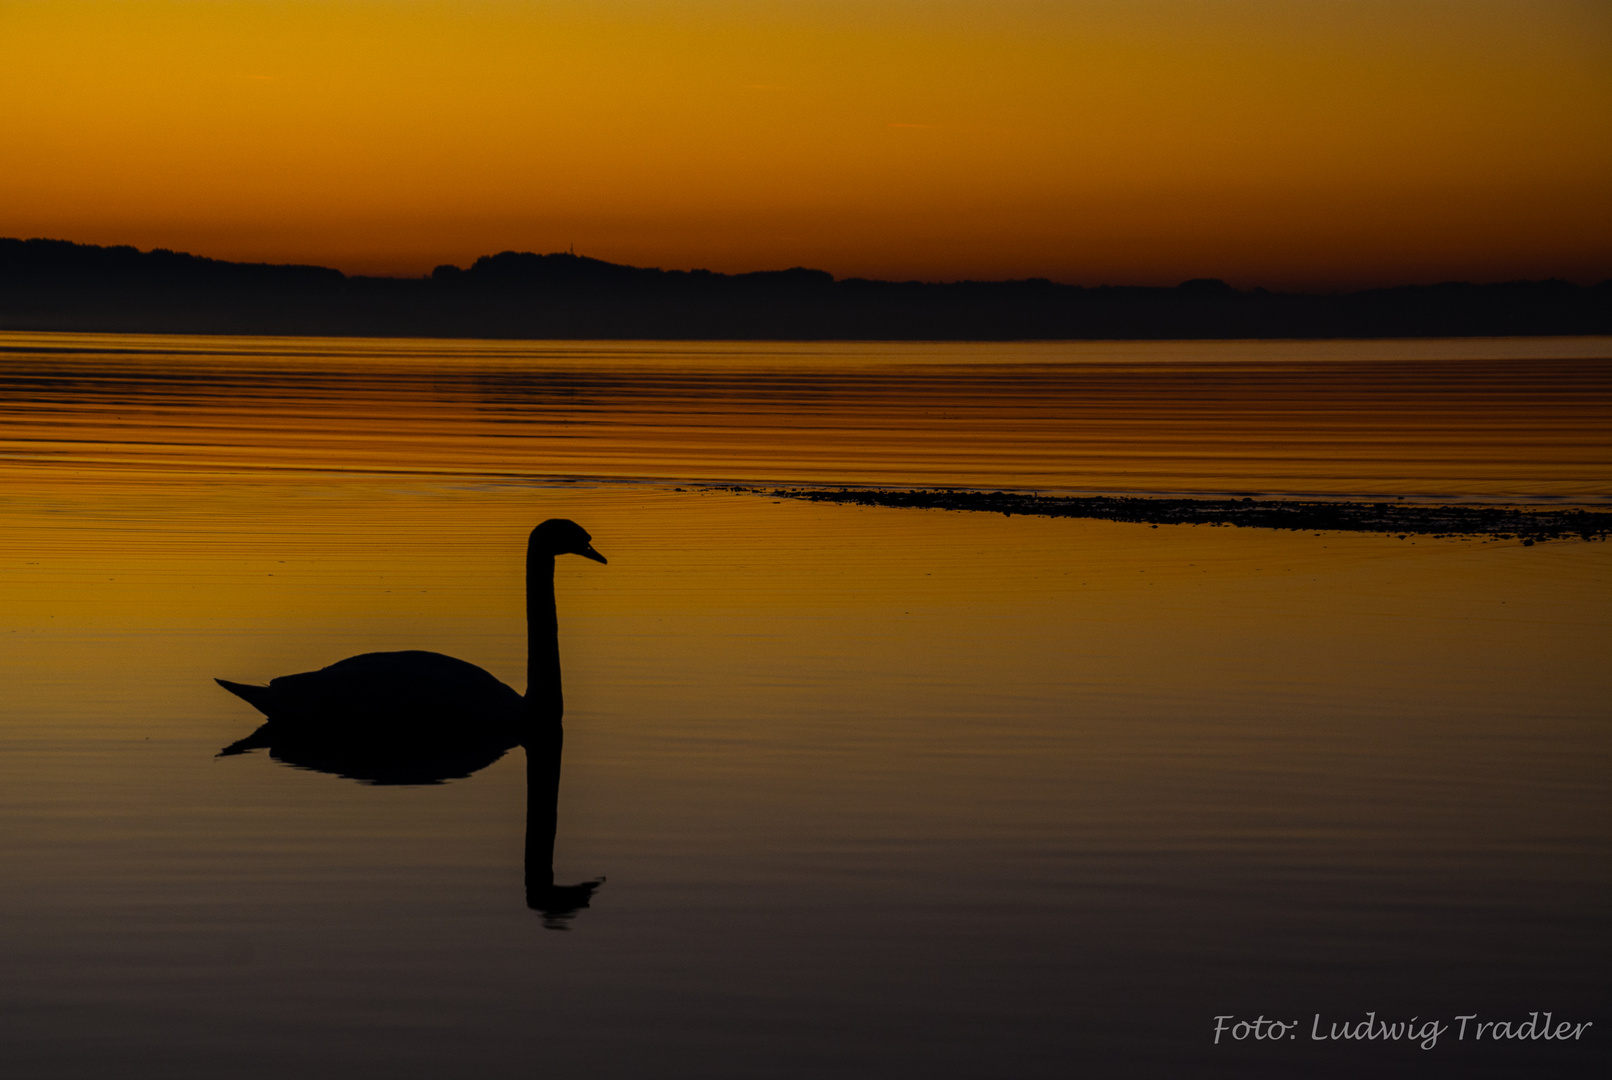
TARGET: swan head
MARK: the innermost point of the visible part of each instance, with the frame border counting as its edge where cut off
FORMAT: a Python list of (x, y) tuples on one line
[(558, 536)]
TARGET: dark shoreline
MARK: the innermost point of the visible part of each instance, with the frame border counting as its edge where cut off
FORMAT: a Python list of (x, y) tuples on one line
[(56, 285), (1392, 518)]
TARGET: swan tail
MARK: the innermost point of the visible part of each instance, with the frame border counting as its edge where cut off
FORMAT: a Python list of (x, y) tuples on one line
[(258, 697)]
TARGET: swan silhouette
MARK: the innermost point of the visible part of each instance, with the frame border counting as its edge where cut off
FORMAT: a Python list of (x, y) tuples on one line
[(429, 694), (422, 718)]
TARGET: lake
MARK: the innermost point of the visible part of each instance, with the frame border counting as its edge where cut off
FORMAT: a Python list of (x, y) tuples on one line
[(875, 792)]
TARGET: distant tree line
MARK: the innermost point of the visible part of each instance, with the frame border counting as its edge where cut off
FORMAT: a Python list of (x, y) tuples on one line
[(57, 285)]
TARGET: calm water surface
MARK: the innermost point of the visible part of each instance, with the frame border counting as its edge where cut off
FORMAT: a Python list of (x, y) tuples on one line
[(877, 793)]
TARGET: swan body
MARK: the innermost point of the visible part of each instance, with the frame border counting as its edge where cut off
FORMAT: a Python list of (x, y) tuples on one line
[(388, 688)]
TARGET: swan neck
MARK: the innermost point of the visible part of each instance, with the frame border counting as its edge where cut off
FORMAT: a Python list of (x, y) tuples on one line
[(543, 697)]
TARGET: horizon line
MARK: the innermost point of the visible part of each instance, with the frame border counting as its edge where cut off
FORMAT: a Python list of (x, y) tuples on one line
[(1206, 282)]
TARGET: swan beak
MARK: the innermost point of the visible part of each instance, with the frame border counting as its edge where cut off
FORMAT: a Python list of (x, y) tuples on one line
[(587, 552)]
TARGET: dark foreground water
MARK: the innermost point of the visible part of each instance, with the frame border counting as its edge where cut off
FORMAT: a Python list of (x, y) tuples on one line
[(877, 792)]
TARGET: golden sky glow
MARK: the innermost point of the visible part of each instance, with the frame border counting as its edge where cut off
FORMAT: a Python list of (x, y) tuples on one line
[(1280, 143)]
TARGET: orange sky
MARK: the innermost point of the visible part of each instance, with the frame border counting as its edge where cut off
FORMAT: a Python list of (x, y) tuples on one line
[(1306, 144)]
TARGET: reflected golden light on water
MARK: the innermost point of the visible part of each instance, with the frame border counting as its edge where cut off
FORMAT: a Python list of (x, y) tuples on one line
[(837, 762), (1497, 420), (441, 569)]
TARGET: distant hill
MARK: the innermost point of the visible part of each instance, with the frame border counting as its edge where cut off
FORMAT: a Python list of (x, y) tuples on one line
[(57, 285)]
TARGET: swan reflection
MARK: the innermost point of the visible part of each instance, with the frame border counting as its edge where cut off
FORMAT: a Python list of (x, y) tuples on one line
[(424, 718), (412, 761)]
